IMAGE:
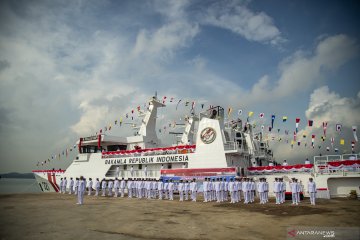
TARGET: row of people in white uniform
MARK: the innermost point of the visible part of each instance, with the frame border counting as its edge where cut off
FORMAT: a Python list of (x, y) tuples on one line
[(213, 189)]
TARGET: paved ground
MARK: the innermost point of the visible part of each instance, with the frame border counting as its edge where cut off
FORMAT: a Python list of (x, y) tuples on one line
[(56, 216)]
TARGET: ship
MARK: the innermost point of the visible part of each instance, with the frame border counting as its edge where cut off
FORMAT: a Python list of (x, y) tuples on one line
[(209, 146)]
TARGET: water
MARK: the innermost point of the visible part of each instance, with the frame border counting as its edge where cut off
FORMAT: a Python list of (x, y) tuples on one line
[(18, 185)]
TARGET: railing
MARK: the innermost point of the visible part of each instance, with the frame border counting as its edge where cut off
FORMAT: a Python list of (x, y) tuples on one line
[(347, 164), (322, 160), (150, 152), (230, 146)]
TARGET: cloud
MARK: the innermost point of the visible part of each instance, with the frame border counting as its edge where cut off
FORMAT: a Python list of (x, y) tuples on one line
[(331, 107), (164, 41), (238, 18), (302, 71), (324, 106)]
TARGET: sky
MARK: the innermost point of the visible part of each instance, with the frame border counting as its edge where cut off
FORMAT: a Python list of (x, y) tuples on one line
[(69, 68)]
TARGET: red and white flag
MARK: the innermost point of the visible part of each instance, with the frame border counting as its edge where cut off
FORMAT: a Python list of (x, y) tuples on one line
[(312, 140), (297, 121)]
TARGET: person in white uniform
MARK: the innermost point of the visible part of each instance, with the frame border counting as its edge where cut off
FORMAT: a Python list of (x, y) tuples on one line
[(64, 185), (116, 187), (260, 189), (97, 187), (76, 186), (90, 185), (226, 189), (210, 190), (122, 187), (160, 188), (276, 189), (181, 189), (145, 171), (132, 171), (312, 191), (206, 190), (187, 190), (171, 190), (298, 190), (232, 190), (293, 187), (283, 190), (71, 185), (129, 187), (193, 190), (252, 190), (266, 190), (81, 191), (239, 189), (166, 187), (110, 187), (285, 163), (117, 171), (244, 188), (103, 187), (61, 184)]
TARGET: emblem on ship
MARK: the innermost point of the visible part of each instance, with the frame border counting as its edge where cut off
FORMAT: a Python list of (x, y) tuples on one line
[(208, 135)]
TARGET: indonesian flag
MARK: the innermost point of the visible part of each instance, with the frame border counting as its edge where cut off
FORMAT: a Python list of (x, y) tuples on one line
[(352, 145), (297, 121), (261, 115), (312, 140), (310, 123), (338, 127), (324, 127), (354, 128)]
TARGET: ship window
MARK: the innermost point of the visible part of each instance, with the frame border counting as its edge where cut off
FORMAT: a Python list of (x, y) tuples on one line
[(238, 134), (169, 166), (140, 166), (116, 147), (125, 167)]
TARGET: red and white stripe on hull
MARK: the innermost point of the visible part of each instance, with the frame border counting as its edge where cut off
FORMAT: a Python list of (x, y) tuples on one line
[(182, 172), (47, 179)]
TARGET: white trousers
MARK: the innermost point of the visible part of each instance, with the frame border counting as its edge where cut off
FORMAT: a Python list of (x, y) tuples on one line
[(80, 197), (171, 194), (294, 197), (193, 195), (181, 194), (312, 197)]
